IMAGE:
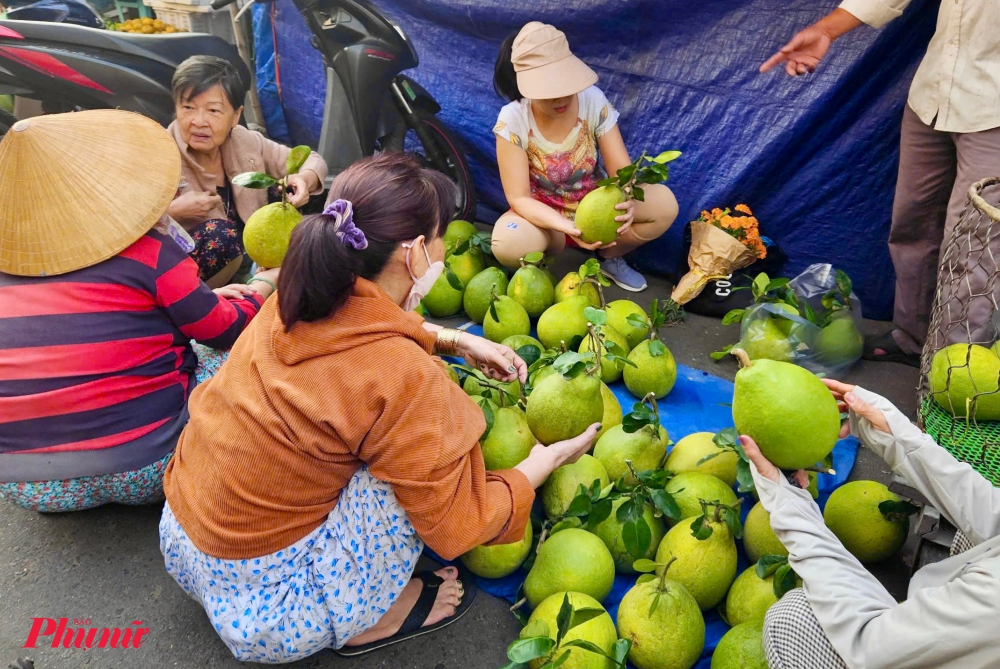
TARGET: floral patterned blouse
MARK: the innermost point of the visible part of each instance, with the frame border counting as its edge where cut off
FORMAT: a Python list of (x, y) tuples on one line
[(218, 241), (560, 174)]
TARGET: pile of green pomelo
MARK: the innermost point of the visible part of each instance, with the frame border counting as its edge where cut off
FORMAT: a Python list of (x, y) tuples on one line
[(637, 503)]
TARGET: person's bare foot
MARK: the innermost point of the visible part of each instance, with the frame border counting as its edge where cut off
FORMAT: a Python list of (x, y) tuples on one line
[(449, 596)]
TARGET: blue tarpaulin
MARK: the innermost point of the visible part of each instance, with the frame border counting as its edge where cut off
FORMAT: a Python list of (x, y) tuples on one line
[(814, 157), (698, 402)]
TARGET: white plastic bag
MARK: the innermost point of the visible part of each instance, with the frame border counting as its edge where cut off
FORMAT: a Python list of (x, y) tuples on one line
[(823, 335)]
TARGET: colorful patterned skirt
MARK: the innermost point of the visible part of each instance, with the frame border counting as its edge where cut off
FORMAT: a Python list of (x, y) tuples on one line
[(329, 586)]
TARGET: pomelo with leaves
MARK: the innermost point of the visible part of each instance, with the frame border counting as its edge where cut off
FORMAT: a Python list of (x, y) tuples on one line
[(662, 620), (457, 232), (704, 552), (505, 318), (870, 520), (758, 537), (564, 323), (531, 287), (608, 343), (269, 229), (445, 297), (596, 213), (572, 560), (690, 489), (699, 452), (563, 484), (758, 588), (639, 444), (612, 532), (628, 318), (480, 291), (567, 402), (653, 368), (573, 284)]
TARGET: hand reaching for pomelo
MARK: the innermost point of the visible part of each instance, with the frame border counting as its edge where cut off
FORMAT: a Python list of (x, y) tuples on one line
[(494, 360), (846, 399), (543, 460)]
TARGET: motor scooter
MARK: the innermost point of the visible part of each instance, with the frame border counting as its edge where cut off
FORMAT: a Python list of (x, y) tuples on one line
[(371, 105)]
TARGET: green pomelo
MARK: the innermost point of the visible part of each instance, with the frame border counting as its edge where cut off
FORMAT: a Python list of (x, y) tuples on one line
[(571, 285), (513, 320), (839, 343), (564, 322), (691, 487), (618, 313), (599, 631), (500, 560), (531, 288), (645, 447), (853, 515), (655, 374), (518, 341), (705, 568), (561, 408), (443, 301), (689, 451), (610, 371), (595, 214), (541, 374), (456, 233), (961, 372), (473, 388), (672, 637), (788, 411), (763, 340), (571, 560), (610, 532), (750, 597), (268, 231), (421, 310), (612, 409), (995, 348), (742, 647), (785, 325), (466, 265), (480, 291), (564, 483), (758, 537), (509, 441)]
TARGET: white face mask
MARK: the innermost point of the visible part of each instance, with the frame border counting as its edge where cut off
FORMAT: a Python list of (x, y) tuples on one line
[(421, 285)]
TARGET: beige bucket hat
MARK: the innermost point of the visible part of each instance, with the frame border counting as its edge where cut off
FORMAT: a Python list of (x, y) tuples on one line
[(545, 66), (79, 188)]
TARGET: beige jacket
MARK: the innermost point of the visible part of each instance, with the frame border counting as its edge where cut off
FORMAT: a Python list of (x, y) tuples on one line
[(244, 151), (948, 620), (957, 86)]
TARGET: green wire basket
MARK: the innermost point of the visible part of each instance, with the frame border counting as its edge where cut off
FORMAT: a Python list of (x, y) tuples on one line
[(975, 442)]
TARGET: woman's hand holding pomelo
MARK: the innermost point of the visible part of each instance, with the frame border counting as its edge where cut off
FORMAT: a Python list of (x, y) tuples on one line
[(494, 360), (543, 460), (846, 399), (627, 217), (298, 190), (765, 467)]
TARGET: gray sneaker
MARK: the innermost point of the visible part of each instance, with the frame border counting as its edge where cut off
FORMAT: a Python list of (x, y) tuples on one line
[(627, 278)]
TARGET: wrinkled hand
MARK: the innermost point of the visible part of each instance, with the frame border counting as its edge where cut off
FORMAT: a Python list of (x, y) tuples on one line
[(497, 362), (765, 467), (194, 206), (627, 217), (298, 190), (234, 291), (846, 399), (803, 53)]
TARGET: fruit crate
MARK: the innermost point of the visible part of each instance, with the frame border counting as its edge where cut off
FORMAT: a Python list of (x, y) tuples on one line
[(971, 441), (195, 18)]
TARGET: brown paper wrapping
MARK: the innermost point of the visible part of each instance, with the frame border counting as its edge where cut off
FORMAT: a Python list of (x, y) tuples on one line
[(714, 254)]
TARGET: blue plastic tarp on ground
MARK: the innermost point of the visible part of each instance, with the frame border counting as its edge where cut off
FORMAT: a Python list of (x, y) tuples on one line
[(814, 157), (699, 402)]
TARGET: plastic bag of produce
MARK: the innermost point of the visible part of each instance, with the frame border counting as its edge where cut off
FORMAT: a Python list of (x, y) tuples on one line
[(813, 320)]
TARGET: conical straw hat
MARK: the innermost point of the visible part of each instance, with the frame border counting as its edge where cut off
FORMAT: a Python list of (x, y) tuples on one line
[(78, 188)]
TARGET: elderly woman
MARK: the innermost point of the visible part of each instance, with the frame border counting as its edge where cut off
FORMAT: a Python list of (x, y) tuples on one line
[(843, 617), (98, 305), (208, 94), (332, 446)]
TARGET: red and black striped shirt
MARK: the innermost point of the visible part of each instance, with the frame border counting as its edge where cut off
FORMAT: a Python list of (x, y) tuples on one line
[(96, 365)]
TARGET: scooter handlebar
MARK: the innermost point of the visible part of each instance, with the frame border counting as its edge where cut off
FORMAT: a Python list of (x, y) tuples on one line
[(219, 4)]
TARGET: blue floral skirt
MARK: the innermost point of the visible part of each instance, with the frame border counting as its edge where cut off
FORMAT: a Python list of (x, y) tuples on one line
[(329, 586), (135, 487)]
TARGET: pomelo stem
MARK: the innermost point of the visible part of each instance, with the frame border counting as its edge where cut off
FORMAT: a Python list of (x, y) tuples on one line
[(742, 357)]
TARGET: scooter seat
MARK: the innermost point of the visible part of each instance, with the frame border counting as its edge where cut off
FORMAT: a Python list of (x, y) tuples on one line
[(169, 49)]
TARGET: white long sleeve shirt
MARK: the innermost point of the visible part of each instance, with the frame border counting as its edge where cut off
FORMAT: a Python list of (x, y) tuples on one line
[(958, 81), (949, 619)]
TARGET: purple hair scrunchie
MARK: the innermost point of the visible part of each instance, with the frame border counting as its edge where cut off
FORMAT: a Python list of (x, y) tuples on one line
[(342, 212)]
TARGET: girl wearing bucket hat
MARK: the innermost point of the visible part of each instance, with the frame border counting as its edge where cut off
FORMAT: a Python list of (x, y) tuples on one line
[(98, 305), (548, 140)]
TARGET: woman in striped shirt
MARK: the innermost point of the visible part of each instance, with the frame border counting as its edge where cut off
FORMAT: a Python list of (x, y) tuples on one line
[(98, 306)]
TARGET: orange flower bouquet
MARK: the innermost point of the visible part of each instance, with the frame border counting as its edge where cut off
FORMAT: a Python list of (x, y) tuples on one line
[(722, 241)]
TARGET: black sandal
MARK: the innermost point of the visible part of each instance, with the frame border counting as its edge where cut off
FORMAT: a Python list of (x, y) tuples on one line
[(892, 351), (413, 625)]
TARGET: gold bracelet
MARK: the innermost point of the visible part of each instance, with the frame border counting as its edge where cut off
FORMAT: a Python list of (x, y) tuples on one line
[(447, 341)]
